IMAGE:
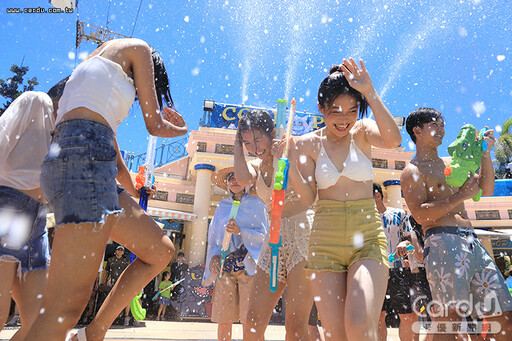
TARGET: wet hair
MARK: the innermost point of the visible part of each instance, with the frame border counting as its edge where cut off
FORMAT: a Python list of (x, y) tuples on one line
[(164, 274), (163, 92), (334, 85), (257, 119), (378, 189), (56, 91), (419, 117)]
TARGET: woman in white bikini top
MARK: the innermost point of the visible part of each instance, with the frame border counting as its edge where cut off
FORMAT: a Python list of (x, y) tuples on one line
[(356, 167), (334, 164)]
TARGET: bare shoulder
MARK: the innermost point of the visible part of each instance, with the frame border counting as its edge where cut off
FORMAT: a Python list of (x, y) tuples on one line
[(309, 143), (410, 173), (134, 46)]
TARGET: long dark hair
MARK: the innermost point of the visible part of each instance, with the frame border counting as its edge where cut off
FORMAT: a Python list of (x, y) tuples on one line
[(163, 92), (336, 84)]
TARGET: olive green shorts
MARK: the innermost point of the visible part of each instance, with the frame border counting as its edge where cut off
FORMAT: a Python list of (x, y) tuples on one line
[(345, 232)]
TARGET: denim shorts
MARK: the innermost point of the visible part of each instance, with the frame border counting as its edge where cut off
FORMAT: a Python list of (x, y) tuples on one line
[(23, 236), (78, 176), (461, 273)]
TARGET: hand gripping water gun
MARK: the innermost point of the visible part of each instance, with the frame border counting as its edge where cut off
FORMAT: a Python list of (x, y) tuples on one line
[(227, 236), (466, 152), (392, 257), (278, 195), (172, 286), (138, 312), (144, 180)]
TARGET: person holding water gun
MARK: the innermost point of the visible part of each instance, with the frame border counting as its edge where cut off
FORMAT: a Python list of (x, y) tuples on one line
[(400, 240), (256, 131), (241, 222), (164, 295), (458, 267), (78, 178), (347, 260)]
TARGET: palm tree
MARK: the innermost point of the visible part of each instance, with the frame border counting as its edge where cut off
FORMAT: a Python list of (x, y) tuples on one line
[(503, 151)]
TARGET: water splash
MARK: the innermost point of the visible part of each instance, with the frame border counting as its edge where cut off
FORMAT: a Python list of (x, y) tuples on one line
[(300, 27), (432, 22), (252, 15)]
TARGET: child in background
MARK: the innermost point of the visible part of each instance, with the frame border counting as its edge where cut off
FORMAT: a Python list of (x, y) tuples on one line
[(164, 298), (231, 294)]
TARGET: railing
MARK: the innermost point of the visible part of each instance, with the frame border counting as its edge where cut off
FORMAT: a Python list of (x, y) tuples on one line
[(165, 154)]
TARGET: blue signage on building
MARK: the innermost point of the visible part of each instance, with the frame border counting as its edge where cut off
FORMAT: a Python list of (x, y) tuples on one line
[(501, 244), (227, 116)]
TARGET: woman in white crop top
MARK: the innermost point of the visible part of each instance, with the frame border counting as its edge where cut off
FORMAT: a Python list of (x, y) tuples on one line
[(347, 257), (78, 178), (256, 132)]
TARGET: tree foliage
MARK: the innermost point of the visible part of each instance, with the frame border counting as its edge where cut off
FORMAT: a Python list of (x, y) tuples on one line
[(13, 86), (503, 151)]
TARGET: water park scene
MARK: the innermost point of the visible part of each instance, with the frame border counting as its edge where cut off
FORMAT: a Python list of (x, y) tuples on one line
[(255, 170)]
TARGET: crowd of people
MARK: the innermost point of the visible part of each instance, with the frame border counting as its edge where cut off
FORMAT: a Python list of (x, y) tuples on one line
[(336, 233)]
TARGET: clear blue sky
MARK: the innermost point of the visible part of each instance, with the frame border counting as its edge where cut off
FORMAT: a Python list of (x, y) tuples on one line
[(455, 56)]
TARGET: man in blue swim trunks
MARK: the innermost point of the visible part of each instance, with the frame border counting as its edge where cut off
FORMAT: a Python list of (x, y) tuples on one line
[(462, 275)]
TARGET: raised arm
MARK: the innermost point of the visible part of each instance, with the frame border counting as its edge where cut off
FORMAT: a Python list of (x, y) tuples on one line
[(486, 176), (245, 173), (383, 132), (171, 124), (427, 212)]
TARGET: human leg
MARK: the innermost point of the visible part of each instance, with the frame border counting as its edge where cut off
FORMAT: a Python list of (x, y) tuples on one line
[(383, 329), (137, 231), (505, 323), (329, 290), (262, 303), (27, 293), (299, 300), (8, 271), (160, 308), (405, 330), (366, 288), (76, 255), (224, 331)]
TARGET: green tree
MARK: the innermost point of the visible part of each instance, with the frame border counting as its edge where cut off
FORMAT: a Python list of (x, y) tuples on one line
[(503, 151), (10, 88)]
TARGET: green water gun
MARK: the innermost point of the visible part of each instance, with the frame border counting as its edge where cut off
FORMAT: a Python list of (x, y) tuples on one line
[(466, 152), (138, 312)]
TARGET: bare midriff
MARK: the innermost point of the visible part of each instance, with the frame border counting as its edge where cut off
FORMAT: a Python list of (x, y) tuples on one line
[(84, 113), (347, 190)]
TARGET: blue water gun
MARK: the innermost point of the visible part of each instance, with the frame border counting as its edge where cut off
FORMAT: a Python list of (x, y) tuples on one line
[(227, 236), (392, 257)]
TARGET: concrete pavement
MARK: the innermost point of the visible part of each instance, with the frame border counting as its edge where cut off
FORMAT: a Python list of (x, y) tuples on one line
[(167, 331)]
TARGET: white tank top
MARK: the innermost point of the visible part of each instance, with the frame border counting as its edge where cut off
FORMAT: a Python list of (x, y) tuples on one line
[(100, 85)]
